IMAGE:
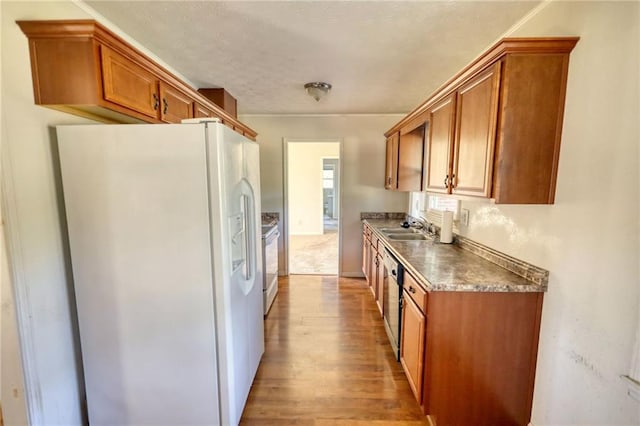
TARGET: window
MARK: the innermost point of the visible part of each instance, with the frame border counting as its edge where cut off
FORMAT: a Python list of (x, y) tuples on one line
[(327, 179), (444, 203)]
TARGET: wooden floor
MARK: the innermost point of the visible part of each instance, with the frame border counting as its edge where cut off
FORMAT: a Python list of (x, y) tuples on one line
[(328, 361)]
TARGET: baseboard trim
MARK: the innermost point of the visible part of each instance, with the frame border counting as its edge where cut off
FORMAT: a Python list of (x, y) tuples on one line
[(352, 275)]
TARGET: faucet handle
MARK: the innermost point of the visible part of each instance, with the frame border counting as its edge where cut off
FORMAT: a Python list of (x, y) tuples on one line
[(416, 224)]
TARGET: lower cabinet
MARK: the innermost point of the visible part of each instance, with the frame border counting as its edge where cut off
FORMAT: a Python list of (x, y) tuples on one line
[(379, 281), (366, 253), (470, 357), (371, 273), (412, 344), (480, 357), (372, 265), (365, 248)]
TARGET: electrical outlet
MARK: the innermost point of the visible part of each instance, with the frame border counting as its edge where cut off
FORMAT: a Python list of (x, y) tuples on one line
[(464, 217)]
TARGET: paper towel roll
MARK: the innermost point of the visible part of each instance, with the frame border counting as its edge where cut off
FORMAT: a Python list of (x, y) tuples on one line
[(446, 230)]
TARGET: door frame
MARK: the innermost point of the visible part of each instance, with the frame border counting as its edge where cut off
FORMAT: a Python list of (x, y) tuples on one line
[(285, 192)]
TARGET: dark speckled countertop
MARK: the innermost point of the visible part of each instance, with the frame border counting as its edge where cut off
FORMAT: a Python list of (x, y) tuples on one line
[(449, 267)]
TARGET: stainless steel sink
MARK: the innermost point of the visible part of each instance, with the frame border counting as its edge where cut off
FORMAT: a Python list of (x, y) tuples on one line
[(397, 230), (408, 236)]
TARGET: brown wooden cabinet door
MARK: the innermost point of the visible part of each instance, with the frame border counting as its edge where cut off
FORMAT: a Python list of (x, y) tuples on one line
[(365, 256), (201, 111), (391, 165), (371, 267), (440, 145), (410, 159), (412, 345), (380, 283), (476, 117), (174, 105), (129, 85)]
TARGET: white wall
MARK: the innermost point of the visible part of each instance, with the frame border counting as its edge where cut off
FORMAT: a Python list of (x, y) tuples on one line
[(12, 385), (35, 228), (304, 176), (589, 239), (363, 160)]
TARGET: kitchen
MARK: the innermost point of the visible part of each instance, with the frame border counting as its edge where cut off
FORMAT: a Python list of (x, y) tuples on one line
[(588, 239)]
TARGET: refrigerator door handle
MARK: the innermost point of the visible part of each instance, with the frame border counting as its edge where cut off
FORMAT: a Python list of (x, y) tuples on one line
[(248, 218), (248, 227)]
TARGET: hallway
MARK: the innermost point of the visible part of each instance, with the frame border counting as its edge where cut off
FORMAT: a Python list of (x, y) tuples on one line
[(315, 254), (327, 360)]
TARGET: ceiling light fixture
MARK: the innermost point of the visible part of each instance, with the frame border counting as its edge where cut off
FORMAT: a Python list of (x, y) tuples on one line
[(318, 89)]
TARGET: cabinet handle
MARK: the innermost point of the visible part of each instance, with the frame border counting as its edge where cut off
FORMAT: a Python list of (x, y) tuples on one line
[(412, 290), (446, 181), (453, 176), (156, 102), (165, 105)]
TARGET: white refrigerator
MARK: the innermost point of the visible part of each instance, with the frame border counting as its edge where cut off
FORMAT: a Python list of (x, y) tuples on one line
[(165, 240)]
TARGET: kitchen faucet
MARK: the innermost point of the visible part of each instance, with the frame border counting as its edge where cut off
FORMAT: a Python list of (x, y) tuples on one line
[(424, 224)]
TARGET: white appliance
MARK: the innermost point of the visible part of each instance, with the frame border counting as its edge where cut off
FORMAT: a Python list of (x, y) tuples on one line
[(270, 236), (164, 231)]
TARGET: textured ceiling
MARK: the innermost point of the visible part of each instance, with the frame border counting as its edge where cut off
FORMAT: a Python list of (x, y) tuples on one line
[(380, 57)]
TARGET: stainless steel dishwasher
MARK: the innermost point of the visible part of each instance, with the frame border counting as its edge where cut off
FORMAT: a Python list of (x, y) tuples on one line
[(392, 304), (270, 236)]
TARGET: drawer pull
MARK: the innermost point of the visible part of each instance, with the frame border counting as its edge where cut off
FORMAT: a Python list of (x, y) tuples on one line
[(412, 290)]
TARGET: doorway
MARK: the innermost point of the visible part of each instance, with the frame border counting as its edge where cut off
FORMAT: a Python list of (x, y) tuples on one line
[(312, 207)]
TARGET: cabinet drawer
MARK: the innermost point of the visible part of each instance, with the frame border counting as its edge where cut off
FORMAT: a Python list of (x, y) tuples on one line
[(415, 291)]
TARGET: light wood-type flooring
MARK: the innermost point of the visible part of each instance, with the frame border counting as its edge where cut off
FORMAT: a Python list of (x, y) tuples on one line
[(327, 360)]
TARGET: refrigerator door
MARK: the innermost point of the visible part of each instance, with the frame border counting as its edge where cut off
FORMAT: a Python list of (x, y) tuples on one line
[(235, 194), (138, 221)]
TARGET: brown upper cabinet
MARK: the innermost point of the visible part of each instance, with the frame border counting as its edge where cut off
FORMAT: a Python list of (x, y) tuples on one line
[(80, 67), (175, 105), (201, 111), (439, 145), (391, 165), (461, 142), (129, 85), (410, 156), (405, 154), (495, 127)]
